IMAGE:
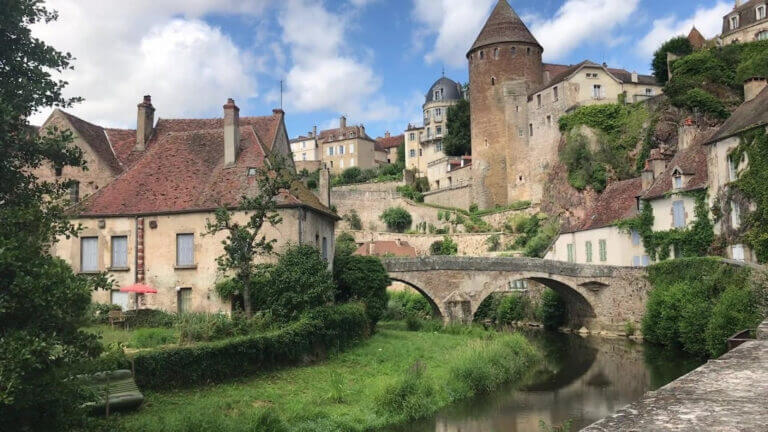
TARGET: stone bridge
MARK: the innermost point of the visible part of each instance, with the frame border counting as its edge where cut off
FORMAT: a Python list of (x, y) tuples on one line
[(600, 298)]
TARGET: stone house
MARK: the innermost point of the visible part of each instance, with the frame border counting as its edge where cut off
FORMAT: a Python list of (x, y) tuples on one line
[(596, 239), (306, 151), (724, 169), (349, 146), (745, 23), (147, 223), (390, 144)]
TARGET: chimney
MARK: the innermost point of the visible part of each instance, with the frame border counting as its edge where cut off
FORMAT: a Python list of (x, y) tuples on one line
[(314, 131), (362, 130), (343, 122), (738, 3), (635, 79), (386, 134), (753, 87), (231, 132), (686, 134), (144, 123), (324, 187), (647, 177), (370, 248)]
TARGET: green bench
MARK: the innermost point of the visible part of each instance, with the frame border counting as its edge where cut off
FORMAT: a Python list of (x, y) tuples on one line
[(116, 391)]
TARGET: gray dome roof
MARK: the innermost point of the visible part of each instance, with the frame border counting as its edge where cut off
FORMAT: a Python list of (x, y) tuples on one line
[(451, 90)]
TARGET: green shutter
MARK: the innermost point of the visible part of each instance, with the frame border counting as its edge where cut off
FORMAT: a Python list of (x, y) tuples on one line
[(571, 254), (603, 251), (589, 251)]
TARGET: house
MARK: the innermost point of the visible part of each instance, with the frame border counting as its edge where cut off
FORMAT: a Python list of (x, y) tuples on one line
[(307, 153), (597, 239), (745, 23), (349, 146), (390, 144), (146, 203), (724, 168)]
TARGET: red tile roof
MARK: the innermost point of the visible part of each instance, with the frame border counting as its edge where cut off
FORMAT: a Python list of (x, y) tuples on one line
[(338, 134), (693, 164), (97, 139), (386, 247), (183, 170), (617, 202), (123, 141), (390, 142)]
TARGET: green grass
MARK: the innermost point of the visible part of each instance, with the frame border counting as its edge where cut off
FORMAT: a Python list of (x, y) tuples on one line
[(389, 379), (137, 338)]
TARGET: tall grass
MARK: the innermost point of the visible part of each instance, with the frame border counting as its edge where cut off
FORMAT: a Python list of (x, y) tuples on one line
[(189, 419), (411, 396)]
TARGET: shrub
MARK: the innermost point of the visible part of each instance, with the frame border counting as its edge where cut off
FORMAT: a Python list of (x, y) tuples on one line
[(699, 100), (446, 246), (211, 327), (345, 244), (99, 312), (153, 337), (411, 193), (150, 318), (488, 308), (353, 219), (736, 310), (494, 242), (364, 279), (323, 329), (397, 219), (678, 45), (300, 281), (402, 304), (513, 308), (551, 309), (629, 328), (351, 175), (411, 396)]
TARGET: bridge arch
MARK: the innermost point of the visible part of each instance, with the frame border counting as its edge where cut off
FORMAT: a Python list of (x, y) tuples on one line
[(436, 310)]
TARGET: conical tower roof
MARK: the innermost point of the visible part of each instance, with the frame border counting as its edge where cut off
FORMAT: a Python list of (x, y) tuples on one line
[(504, 25)]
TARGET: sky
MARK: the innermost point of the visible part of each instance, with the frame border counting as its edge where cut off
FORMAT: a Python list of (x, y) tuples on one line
[(371, 60)]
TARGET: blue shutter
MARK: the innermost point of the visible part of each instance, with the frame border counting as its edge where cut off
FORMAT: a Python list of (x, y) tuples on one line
[(678, 212)]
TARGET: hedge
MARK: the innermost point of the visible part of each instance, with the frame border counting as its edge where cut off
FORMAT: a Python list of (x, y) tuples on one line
[(318, 331)]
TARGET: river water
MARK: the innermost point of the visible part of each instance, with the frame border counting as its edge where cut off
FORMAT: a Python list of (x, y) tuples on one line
[(582, 379)]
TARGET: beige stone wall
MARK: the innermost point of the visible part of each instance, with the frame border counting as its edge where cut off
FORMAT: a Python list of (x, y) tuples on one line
[(412, 145), (455, 196), (98, 174), (662, 211), (468, 244), (306, 151), (746, 34), (298, 226), (621, 251)]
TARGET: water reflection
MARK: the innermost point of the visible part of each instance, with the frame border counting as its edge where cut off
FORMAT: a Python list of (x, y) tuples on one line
[(582, 379)]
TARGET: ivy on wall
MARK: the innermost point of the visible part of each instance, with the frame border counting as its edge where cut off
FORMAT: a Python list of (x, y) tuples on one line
[(693, 241), (752, 185)]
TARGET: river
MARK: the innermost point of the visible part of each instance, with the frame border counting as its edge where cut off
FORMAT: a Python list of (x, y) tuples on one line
[(581, 379)]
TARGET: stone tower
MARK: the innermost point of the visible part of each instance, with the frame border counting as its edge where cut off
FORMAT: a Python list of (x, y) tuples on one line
[(504, 66)]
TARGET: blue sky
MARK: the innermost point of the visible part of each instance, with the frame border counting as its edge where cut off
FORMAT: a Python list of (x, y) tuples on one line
[(371, 60)]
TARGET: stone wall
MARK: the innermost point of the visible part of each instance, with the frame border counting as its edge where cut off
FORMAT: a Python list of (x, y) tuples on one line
[(457, 196), (469, 244)]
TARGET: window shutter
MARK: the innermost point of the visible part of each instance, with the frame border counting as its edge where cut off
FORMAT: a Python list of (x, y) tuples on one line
[(89, 254), (589, 251), (185, 249), (120, 251), (603, 251), (678, 214)]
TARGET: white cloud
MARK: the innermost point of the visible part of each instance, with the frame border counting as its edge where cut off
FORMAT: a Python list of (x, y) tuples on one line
[(127, 49), (453, 23), (325, 75), (709, 21), (578, 22)]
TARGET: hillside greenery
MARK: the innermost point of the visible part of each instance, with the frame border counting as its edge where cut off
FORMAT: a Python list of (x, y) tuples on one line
[(680, 46)]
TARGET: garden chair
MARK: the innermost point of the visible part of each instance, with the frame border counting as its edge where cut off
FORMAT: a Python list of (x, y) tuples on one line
[(116, 317), (115, 391)]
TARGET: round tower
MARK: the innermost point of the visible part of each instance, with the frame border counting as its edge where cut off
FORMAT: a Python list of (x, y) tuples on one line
[(504, 66)]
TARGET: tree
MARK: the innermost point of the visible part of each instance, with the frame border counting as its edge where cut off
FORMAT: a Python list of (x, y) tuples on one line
[(345, 245), (43, 303), (362, 278), (446, 246), (458, 139), (401, 154), (679, 46), (397, 218), (245, 241), (300, 281)]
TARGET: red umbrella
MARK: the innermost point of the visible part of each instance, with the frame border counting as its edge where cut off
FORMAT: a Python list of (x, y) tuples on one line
[(139, 289)]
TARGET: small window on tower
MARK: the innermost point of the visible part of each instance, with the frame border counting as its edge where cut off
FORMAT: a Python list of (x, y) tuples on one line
[(482, 55), (493, 81), (252, 171), (513, 51), (57, 171), (495, 53), (530, 129), (528, 50)]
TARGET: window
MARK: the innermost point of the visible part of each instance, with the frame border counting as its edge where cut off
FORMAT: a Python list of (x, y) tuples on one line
[(734, 22), (57, 171), (252, 171), (439, 131), (571, 252), (549, 120), (74, 192), (678, 214), (482, 55), (603, 251), (439, 93), (597, 91), (412, 153), (438, 112), (528, 50), (439, 146), (760, 12), (184, 300), (330, 151), (412, 136), (304, 145), (429, 133), (352, 162), (303, 156), (421, 152), (733, 173), (737, 252), (331, 164), (325, 249), (89, 254), (120, 252), (588, 247), (649, 92), (763, 35), (591, 75), (555, 94), (520, 132), (495, 53), (493, 81), (538, 101), (635, 238), (636, 261), (185, 250), (341, 164), (530, 129), (351, 148), (341, 150), (678, 181), (735, 216), (121, 299), (513, 51), (646, 261)]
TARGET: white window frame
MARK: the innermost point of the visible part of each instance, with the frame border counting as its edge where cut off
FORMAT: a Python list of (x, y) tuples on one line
[(733, 173), (118, 252), (412, 136), (762, 35), (352, 162), (185, 261), (412, 153), (597, 91), (438, 131), (439, 146), (635, 238), (341, 150), (735, 216), (734, 22), (677, 182), (760, 12), (330, 151), (89, 244), (737, 252)]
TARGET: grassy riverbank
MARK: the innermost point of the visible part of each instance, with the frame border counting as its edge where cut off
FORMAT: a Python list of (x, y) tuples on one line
[(389, 379)]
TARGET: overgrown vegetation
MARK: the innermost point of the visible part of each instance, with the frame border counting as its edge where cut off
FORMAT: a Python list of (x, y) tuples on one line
[(381, 174), (353, 219), (752, 184), (535, 233), (679, 46), (362, 279), (697, 303), (397, 219), (458, 138), (446, 246), (416, 191), (345, 244), (404, 304), (694, 240), (552, 309), (619, 128)]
